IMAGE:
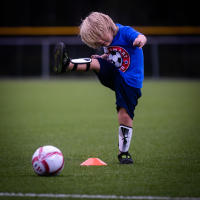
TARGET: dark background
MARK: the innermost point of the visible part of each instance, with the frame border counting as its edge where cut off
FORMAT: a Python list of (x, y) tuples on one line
[(177, 60), (70, 13)]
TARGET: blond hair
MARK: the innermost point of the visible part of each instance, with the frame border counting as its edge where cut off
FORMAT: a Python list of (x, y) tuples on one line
[(94, 27)]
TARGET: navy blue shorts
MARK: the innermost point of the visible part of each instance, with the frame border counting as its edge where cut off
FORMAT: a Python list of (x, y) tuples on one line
[(126, 96)]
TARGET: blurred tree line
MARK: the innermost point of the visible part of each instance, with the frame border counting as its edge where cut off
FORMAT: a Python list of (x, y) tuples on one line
[(70, 12)]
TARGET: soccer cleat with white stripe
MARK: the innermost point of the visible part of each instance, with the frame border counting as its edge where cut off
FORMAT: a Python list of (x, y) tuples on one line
[(61, 58)]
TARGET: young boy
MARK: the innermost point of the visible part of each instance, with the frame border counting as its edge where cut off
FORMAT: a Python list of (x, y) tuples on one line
[(120, 68)]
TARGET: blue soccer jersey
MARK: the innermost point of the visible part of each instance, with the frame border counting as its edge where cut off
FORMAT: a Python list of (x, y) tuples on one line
[(130, 63)]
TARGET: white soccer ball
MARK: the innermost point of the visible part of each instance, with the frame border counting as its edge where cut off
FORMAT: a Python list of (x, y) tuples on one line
[(47, 160), (115, 58)]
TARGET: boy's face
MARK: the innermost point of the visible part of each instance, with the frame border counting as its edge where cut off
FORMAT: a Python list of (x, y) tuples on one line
[(106, 40)]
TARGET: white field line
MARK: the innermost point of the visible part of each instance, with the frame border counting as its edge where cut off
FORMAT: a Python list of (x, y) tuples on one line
[(87, 196)]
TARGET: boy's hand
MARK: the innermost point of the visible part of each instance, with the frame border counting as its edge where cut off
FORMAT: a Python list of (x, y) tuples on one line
[(140, 41)]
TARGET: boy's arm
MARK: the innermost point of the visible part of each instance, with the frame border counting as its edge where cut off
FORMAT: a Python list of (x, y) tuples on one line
[(140, 41)]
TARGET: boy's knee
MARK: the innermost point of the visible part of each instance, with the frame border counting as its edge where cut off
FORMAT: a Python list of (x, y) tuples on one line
[(124, 117)]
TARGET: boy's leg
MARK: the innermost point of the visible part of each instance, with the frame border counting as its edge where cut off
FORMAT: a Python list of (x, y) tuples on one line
[(62, 62), (124, 118), (125, 135), (126, 101)]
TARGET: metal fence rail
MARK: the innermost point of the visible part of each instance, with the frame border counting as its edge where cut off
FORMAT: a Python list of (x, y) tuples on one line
[(74, 30), (45, 42)]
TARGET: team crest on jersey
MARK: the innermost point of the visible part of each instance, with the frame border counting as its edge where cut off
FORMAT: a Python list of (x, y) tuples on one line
[(119, 57)]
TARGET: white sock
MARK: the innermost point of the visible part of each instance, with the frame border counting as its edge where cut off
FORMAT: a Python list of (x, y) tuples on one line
[(125, 134)]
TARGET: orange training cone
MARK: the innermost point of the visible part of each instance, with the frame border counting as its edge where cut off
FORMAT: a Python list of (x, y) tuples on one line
[(93, 161)]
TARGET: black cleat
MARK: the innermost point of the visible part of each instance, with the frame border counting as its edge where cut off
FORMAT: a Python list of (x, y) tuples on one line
[(125, 158), (61, 58)]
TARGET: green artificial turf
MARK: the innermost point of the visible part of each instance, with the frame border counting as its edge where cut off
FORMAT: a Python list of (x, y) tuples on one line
[(79, 117)]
